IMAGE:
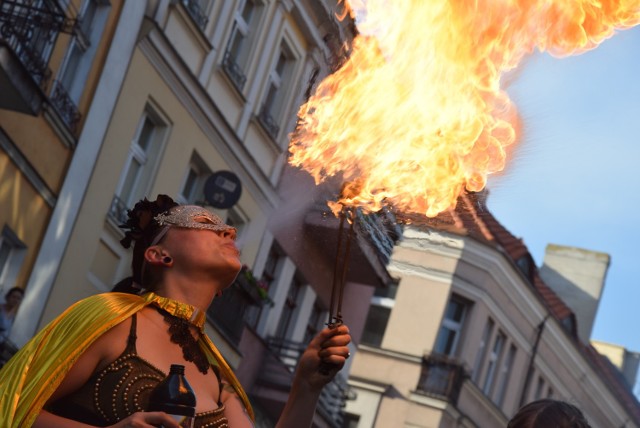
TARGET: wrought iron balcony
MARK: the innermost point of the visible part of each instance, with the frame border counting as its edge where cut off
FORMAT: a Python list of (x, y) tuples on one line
[(381, 229), (65, 106), (28, 33), (118, 210), (441, 377), (278, 369), (196, 13), (233, 70), (268, 122)]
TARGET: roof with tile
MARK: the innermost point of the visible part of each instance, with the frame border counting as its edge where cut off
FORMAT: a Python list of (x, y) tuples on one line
[(471, 217)]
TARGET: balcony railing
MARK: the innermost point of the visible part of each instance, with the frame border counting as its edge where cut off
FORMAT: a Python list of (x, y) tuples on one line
[(277, 371), (233, 70), (382, 230), (196, 13), (65, 106), (118, 210), (441, 377), (268, 122), (30, 30)]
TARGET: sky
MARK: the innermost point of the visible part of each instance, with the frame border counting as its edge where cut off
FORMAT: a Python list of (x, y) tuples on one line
[(574, 178)]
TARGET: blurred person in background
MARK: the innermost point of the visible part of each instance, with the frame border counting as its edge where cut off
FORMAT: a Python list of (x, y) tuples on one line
[(548, 413)]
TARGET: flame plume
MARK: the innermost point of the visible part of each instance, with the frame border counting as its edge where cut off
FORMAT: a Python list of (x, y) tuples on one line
[(417, 113)]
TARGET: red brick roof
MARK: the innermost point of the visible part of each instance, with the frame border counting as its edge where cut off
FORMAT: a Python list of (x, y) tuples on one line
[(614, 379)]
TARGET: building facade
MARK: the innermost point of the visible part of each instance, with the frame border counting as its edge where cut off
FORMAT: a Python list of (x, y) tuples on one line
[(122, 99), (471, 333), (52, 57), (195, 99)]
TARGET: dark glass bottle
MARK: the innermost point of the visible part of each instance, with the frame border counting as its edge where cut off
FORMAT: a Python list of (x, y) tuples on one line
[(175, 397)]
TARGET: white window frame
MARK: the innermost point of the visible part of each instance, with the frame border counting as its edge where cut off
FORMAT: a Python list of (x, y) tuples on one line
[(481, 356), (243, 28), (201, 171), (505, 374), (494, 362), (540, 384), (148, 159), (452, 325), (384, 298), (87, 48)]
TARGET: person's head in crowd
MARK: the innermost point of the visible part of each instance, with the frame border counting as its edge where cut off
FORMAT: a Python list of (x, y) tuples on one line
[(549, 413), (13, 297)]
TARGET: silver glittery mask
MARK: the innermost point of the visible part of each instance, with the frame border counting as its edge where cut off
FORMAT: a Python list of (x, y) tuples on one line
[(192, 217)]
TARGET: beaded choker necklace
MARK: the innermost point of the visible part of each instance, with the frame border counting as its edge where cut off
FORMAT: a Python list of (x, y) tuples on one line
[(181, 310)]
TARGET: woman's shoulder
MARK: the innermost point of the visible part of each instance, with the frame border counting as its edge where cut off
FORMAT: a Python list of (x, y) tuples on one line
[(105, 302)]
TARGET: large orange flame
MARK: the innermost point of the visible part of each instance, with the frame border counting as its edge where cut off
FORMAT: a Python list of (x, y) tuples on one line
[(417, 113)]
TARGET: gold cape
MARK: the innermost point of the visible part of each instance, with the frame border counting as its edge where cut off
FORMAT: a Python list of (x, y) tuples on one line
[(35, 372)]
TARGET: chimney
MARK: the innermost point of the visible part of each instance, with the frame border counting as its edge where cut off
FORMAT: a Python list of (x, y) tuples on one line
[(625, 360), (577, 277)]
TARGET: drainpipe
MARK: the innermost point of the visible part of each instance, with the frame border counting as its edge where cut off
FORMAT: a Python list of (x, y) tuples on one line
[(534, 351)]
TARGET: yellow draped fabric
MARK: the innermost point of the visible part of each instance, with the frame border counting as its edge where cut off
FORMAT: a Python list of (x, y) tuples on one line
[(35, 372)]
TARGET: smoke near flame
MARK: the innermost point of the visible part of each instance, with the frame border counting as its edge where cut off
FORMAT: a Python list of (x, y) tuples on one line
[(417, 113)]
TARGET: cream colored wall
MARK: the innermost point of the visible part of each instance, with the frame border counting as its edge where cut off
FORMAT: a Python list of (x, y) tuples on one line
[(24, 211), (423, 293), (401, 371), (365, 404), (420, 304), (91, 235), (39, 144), (230, 101), (478, 408), (398, 412), (188, 40)]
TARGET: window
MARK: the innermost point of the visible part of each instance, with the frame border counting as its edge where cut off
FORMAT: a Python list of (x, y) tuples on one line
[(140, 165), (482, 350), (451, 329), (350, 420), (378, 317), (189, 188), (273, 105), (12, 252), (287, 317), (505, 374), (198, 10), (191, 191), (69, 85), (82, 48), (539, 388), (237, 54), (271, 265), (494, 358)]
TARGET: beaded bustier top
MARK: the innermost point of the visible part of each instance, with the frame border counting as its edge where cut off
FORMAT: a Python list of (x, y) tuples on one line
[(121, 389)]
